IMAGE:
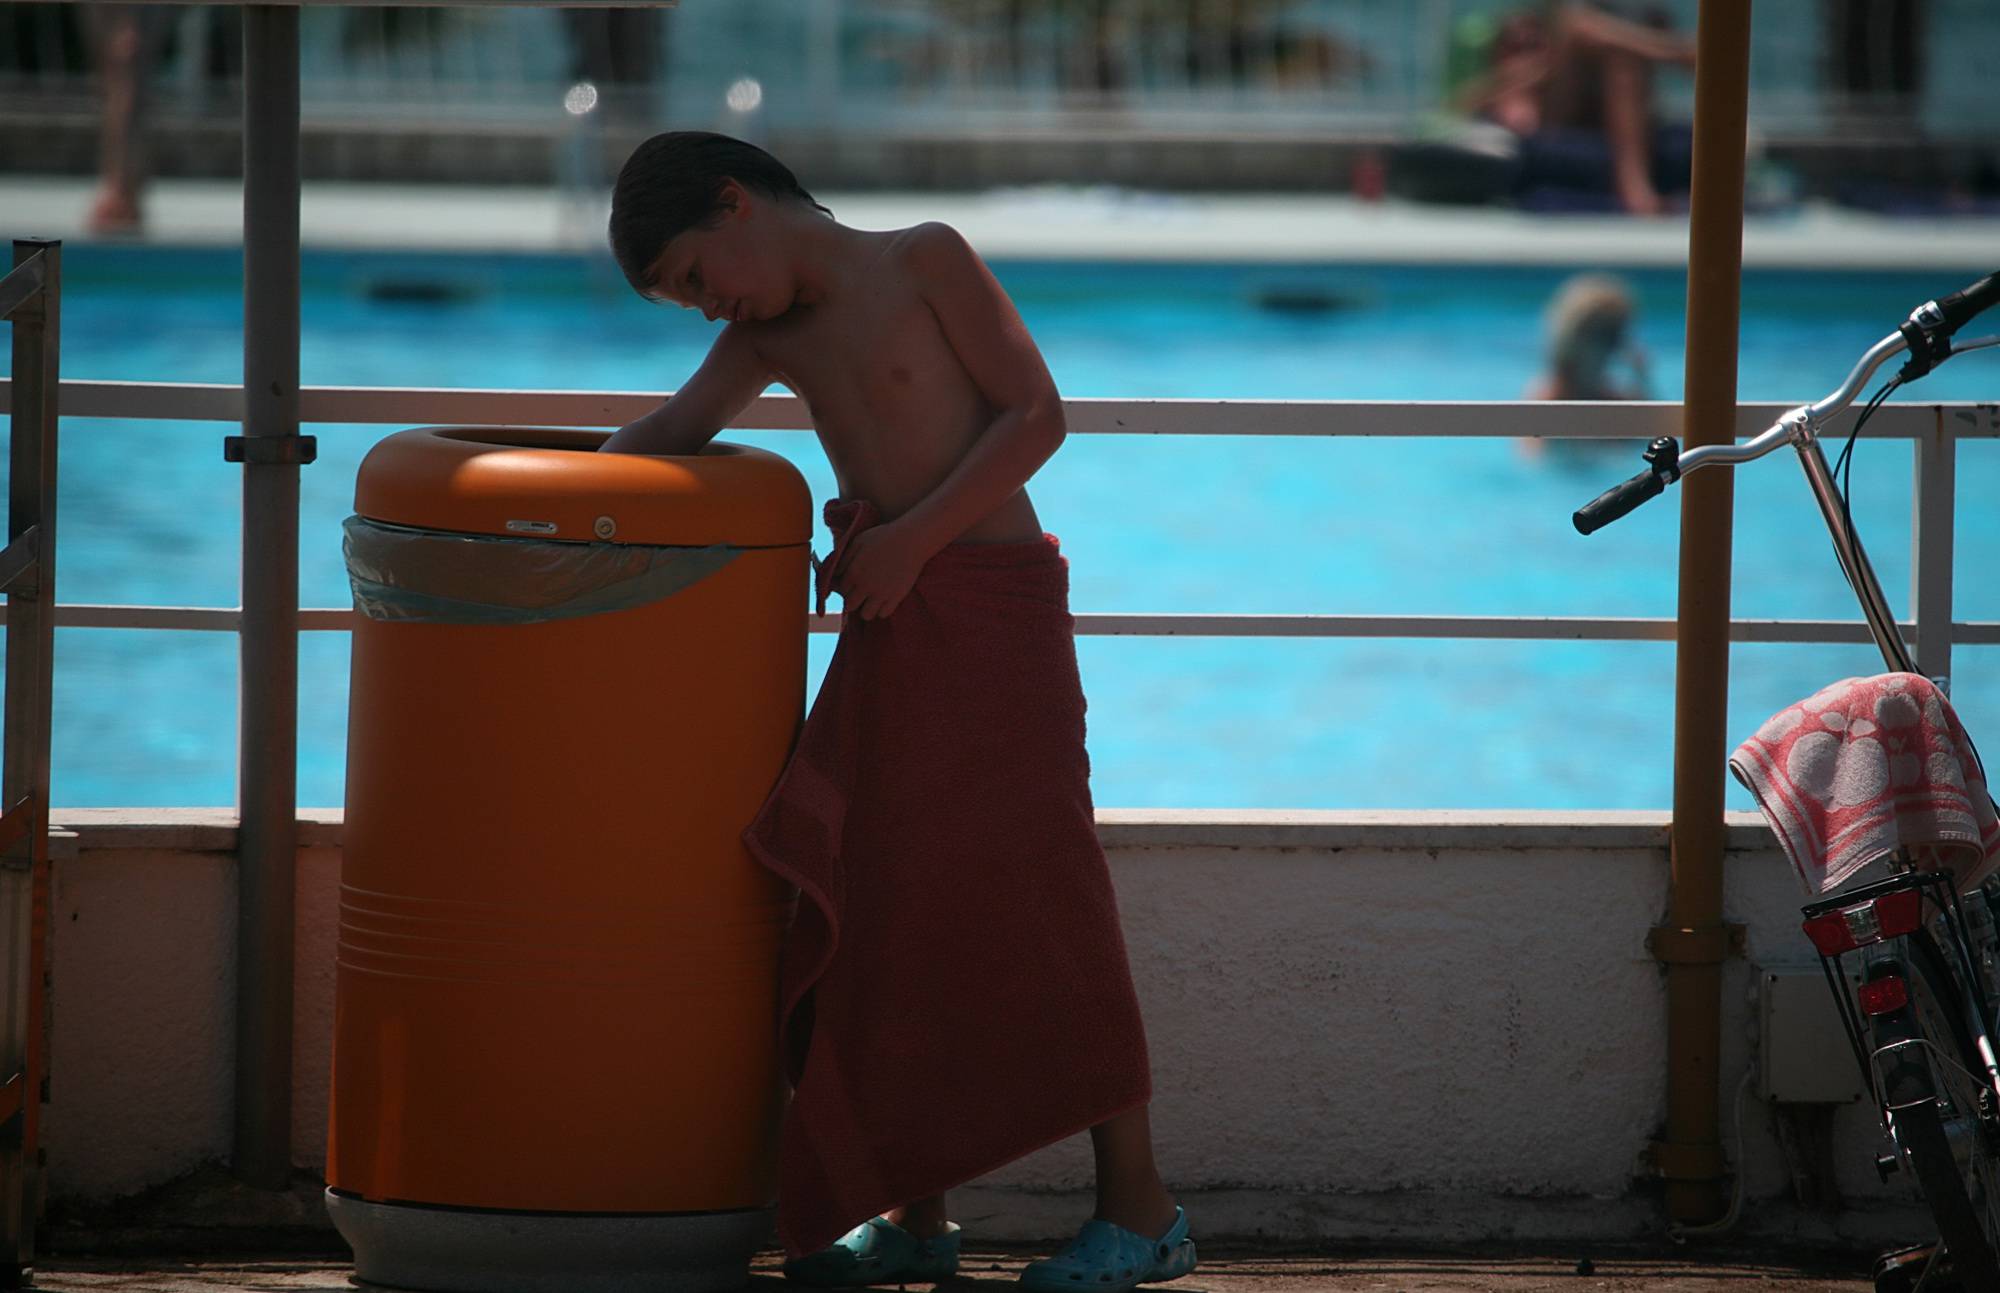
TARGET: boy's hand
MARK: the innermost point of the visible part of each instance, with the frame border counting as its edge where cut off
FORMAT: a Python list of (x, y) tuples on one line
[(878, 569)]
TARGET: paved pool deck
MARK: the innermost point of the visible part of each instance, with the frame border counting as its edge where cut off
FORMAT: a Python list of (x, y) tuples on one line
[(984, 1270), (1047, 222)]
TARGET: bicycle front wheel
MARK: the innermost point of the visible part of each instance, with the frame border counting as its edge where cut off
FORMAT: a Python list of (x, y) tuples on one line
[(1932, 1081)]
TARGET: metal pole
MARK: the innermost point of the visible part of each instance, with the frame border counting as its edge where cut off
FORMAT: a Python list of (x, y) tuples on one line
[(1932, 522), (30, 658), (1695, 940), (267, 786)]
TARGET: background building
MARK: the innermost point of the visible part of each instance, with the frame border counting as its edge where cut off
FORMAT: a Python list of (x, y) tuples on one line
[(1848, 96)]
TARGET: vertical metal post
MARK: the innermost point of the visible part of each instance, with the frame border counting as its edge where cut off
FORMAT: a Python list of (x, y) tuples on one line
[(30, 654), (1690, 1154), (267, 785), (1932, 520)]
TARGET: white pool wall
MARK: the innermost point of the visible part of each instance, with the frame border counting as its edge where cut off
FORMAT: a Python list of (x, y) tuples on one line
[(1435, 1027)]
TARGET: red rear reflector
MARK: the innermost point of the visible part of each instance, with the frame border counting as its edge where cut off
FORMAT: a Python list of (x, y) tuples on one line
[(1890, 916), (1883, 995), (1900, 913), (1829, 933)]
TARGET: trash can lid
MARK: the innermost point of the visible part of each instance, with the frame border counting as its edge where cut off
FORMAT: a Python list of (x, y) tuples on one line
[(551, 483)]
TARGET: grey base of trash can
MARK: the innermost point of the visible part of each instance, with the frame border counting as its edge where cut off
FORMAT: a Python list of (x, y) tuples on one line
[(477, 1250)]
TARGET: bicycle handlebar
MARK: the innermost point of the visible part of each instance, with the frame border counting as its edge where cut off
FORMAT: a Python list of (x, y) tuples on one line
[(1663, 457), (1929, 327), (1958, 308), (1927, 335)]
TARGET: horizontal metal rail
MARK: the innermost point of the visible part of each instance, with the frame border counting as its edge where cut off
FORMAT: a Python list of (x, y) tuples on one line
[(1566, 420), (1532, 628), (1928, 424)]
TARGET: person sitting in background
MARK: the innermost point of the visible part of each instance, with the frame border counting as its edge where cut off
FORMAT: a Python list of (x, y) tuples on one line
[(1574, 85)]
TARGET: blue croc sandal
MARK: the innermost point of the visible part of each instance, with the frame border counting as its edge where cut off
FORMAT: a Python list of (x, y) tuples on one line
[(878, 1251), (1109, 1258)]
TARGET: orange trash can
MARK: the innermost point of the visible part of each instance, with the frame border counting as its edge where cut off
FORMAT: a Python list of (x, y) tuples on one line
[(575, 678)]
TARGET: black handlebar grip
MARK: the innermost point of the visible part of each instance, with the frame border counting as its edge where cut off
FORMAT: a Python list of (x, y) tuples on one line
[(1617, 501), (1961, 306)]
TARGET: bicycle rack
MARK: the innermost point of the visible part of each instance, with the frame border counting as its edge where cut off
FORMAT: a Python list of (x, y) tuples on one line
[(1946, 900)]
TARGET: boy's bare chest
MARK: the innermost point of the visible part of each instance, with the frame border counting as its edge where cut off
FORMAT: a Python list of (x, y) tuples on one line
[(893, 405), (878, 354)]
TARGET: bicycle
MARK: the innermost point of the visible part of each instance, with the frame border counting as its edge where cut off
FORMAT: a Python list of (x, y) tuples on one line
[(1921, 1021)]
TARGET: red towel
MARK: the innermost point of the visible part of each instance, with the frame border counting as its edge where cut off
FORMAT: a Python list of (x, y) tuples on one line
[(955, 992), (1868, 766)]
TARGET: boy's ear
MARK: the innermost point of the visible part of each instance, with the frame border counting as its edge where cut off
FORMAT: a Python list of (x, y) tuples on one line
[(733, 198)]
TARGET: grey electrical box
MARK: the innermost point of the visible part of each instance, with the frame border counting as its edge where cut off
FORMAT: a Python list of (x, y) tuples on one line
[(1804, 1056)]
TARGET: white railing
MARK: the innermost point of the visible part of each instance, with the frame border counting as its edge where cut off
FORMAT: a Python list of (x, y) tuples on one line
[(1936, 428)]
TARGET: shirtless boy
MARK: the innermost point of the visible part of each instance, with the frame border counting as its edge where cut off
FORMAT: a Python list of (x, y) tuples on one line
[(927, 393), (932, 402)]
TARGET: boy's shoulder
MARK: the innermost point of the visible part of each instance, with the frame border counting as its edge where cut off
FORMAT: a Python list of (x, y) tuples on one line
[(940, 264), (935, 250)]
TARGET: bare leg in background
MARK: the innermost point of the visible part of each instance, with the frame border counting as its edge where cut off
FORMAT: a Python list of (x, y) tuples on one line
[(126, 38)]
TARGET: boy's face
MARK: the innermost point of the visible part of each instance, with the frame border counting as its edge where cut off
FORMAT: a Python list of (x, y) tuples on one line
[(732, 269)]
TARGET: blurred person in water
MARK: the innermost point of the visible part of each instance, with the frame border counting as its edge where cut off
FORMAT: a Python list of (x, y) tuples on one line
[(1592, 352), (1589, 324)]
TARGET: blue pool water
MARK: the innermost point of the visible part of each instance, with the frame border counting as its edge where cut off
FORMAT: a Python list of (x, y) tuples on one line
[(1151, 524)]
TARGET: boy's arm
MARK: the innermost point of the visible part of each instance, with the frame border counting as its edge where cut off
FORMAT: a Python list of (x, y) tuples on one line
[(989, 338), (730, 377)]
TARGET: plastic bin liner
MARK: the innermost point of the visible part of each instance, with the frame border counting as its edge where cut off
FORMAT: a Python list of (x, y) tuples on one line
[(438, 577)]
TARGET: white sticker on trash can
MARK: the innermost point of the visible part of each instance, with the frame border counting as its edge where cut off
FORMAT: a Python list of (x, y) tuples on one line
[(531, 527)]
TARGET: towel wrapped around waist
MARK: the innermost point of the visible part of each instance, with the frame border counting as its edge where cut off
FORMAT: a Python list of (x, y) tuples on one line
[(954, 988)]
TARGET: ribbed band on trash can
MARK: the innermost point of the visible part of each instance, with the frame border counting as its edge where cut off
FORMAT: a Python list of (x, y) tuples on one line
[(439, 577)]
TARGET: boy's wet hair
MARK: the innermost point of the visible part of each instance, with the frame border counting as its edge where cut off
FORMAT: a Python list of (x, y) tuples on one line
[(672, 182)]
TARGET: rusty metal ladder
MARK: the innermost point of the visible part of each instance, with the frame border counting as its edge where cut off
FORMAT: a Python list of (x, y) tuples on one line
[(30, 296)]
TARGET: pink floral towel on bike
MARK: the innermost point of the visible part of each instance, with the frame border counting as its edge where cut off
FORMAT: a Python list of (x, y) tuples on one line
[(953, 989), (1868, 766)]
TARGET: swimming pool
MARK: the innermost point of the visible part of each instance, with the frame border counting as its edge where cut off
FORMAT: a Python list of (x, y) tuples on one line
[(1151, 524)]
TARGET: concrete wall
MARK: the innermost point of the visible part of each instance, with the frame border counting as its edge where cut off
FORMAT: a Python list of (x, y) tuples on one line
[(1429, 1026)]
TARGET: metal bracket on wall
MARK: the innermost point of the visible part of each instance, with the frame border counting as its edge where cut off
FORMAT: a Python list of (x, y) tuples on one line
[(270, 448), (1699, 945)]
